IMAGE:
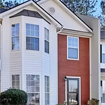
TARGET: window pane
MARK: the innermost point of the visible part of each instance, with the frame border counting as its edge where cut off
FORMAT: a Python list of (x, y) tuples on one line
[(32, 89), (46, 46), (15, 81), (46, 34), (103, 58), (103, 49), (15, 36), (32, 43), (15, 30), (33, 98), (37, 33), (28, 26), (73, 85), (15, 43), (73, 42), (47, 94), (28, 33), (72, 53)]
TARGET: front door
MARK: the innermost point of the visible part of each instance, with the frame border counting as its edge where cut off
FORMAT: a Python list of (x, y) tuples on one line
[(73, 91)]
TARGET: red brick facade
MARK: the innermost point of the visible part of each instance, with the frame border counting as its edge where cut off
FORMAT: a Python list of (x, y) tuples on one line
[(73, 68)]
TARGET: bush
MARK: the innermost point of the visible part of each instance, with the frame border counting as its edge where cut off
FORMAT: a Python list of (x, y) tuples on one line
[(13, 97)]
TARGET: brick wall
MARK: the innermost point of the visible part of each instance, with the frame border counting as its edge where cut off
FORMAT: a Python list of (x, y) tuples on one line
[(73, 68)]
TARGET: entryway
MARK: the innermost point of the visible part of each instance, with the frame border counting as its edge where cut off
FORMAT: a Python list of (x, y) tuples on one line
[(73, 91)]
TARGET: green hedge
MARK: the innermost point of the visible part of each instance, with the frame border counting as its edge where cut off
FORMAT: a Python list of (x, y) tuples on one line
[(13, 97)]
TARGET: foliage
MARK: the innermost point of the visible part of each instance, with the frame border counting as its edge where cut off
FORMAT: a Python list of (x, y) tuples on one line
[(8, 4), (102, 5), (102, 16), (13, 97), (84, 7)]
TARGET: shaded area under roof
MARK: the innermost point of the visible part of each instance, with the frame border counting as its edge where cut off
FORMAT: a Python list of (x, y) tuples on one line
[(29, 13), (102, 34)]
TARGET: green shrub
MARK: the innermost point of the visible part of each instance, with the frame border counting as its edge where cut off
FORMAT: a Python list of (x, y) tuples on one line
[(13, 97)]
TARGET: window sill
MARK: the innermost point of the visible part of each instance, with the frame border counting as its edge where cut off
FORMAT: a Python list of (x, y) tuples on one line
[(73, 59)]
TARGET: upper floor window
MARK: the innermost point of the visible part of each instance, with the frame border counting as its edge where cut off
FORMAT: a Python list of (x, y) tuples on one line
[(103, 53), (46, 40), (73, 48), (15, 36), (32, 37)]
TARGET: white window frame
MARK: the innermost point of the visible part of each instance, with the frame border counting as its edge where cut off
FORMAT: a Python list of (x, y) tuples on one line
[(19, 80), (49, 89), (39, 86), (66, 88), (72, 47), (46, 40), (15, 37), (31, 37), (102, 54)]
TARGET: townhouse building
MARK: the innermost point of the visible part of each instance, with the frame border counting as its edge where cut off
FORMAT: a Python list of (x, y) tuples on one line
[(50, 52)]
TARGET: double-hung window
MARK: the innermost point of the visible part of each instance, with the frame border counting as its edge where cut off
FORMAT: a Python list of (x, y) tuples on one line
[(15, 37), (33, 89), (16, 81), (32, 37), (47, 91), (103, 53), (73, 48), (46, 41)]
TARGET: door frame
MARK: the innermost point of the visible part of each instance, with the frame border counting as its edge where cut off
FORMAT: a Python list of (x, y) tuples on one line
[(72, 77)]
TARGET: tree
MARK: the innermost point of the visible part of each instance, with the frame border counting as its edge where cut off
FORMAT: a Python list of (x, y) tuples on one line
[(102, 16), (8, 4), (13, 97), (84, 7)]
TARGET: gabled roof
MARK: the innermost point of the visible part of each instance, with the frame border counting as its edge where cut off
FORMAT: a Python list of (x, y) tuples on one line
[(13, 9), (69, 11)]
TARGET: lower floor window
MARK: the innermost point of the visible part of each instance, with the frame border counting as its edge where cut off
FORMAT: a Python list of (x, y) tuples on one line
[(16, 81), (47, 94), (33, 89)]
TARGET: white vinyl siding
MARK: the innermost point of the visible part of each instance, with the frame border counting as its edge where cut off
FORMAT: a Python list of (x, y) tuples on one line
[(73, 48)]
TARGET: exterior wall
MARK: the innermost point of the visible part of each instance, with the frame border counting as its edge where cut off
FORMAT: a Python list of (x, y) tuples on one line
[(78, 68), (62, 16), (6, 46), (27, 61), (95, 56)]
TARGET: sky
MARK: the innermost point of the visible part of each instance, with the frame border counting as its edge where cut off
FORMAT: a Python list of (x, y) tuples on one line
[(98, 10)]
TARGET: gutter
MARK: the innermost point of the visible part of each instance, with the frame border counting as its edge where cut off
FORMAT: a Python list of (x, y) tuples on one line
[(60, 29)]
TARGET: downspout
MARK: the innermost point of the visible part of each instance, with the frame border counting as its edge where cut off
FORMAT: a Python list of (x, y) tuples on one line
[(58, 31), (1, 86)]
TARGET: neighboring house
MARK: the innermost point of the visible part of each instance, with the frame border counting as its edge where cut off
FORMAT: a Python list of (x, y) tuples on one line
[(102, 65), (51, 53)]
